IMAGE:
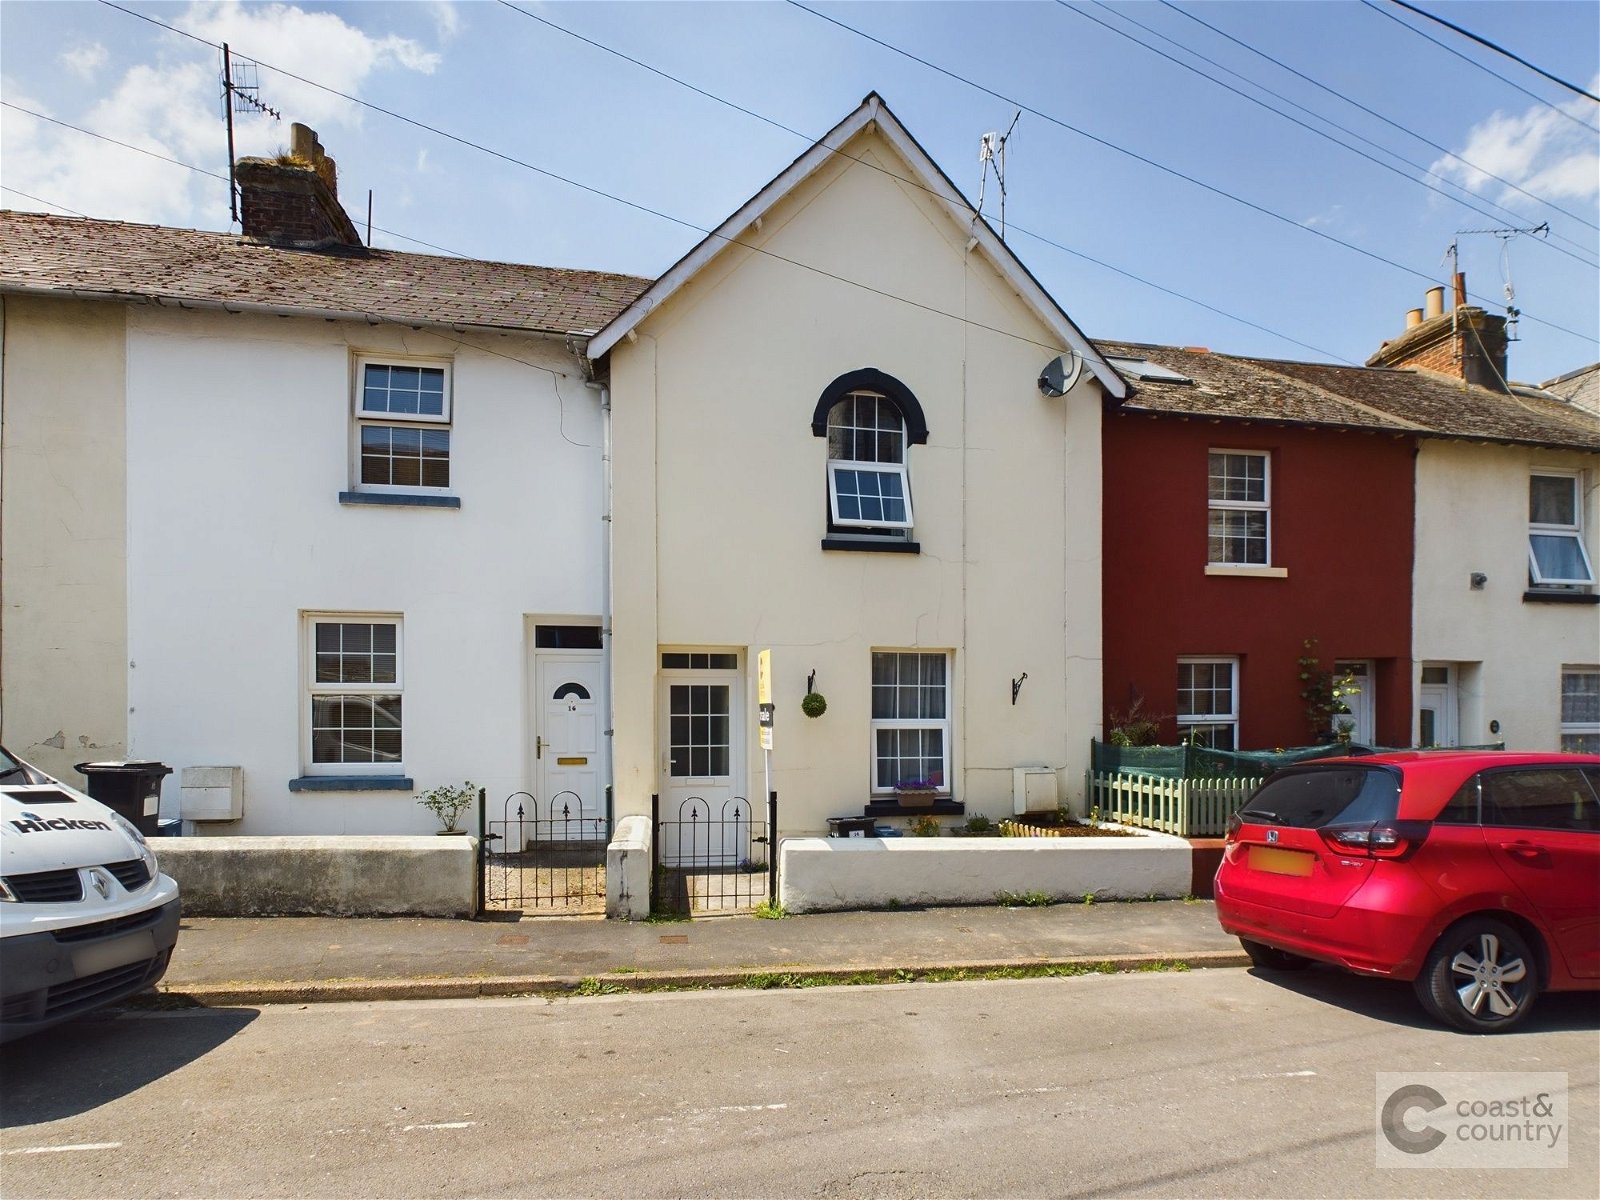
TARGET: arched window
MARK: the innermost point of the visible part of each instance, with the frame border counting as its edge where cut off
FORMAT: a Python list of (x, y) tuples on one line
[(870, 420), (868, 487)]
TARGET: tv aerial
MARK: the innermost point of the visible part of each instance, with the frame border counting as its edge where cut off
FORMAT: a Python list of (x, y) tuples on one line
[(241, 92)]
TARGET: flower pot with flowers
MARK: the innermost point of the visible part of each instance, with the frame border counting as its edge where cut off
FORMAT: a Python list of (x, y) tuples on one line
[(916, 793)]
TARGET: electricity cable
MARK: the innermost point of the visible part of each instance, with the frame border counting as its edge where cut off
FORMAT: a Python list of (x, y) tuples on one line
[(1497, 48), (1014, 228), (594, 190), (188, 167), (41, 200), (640, 207), (1137, 157), (1338, 95), (1313, 129), (1426, 36)]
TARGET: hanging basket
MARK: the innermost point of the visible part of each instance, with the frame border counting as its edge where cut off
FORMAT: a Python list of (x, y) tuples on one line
[(813, 705)]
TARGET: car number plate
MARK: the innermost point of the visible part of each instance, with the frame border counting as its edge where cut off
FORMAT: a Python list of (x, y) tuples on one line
[(1280, 862), (118, 952)]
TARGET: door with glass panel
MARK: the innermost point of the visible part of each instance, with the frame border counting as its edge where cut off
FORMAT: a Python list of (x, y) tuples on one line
[(1360, 722), (705, 812), (1438, 709)]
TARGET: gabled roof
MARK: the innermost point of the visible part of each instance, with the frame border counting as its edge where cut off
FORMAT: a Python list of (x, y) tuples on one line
[(111, 260), (925, 173), (1373, 398)]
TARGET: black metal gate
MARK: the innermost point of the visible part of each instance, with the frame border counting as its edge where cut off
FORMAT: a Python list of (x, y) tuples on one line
[(543, 855), (713, 856)]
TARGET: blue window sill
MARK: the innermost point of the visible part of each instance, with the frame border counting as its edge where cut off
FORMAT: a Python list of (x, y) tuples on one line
[(352, 783), (406, 499)]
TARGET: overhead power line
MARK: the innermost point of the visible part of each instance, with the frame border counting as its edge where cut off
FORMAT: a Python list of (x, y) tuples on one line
[(644, 208), (1467, 58), (1015, 228), (1393, 124), (1497, 48), (188, 167), (42, 200), (1149, 162), (589, 188), (1424, 182)]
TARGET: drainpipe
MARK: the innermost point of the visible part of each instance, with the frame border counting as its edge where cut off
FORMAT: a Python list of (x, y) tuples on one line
[(604, 389)]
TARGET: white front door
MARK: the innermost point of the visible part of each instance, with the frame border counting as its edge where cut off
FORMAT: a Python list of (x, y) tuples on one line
[(705, 815), (1363, 705), (1438, 709), (567, 747)]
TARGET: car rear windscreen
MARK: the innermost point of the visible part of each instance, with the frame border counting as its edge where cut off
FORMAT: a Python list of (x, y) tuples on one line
[(1312, 799)]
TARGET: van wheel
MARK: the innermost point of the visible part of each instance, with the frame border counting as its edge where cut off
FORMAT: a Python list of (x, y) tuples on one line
[(1480, 976), (1270, 958)]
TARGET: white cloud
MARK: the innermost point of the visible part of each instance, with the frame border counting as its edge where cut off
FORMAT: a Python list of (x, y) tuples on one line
[(168, 105), (1541, 150), (446, 18), (85, 61)]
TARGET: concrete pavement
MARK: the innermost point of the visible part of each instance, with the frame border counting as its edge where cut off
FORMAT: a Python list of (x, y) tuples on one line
[(243, 960)]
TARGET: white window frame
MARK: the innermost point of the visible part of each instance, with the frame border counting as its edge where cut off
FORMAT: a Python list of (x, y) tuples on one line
[(313, 689), (364, 418), (898, 470), (1264, 506), (1572, 532), (944, 725), (1576, 729), (1228, 719)]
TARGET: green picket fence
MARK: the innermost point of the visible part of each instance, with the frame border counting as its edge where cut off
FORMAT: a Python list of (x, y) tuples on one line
[(1186, 807)]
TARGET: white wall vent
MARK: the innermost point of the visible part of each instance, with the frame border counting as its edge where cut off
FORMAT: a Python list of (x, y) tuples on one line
[(1033, 789), (213, 793)]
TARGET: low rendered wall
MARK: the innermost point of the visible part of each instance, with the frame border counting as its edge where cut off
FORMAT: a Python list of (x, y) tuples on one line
[(628, 870), (323, 876), (819, 874)]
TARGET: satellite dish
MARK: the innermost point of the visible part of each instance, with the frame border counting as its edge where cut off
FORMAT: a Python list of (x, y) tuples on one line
[(1060, 373)]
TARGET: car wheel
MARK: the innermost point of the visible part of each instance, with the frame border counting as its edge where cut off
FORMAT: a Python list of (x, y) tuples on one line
[(1480, 976), (1270, 958)]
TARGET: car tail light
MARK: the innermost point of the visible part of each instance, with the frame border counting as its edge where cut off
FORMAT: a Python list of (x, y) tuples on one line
[(1393, 839), (1234, 824)]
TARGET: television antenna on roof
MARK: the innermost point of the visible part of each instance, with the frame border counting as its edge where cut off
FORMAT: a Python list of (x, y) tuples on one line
[(992, 153), (1505, 236), (241, 92)]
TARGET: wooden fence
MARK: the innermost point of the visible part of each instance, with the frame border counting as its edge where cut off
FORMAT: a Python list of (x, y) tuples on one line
[(1186, 807)]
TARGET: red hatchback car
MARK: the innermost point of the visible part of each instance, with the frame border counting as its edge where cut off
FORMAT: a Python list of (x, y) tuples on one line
[(1475, 875)]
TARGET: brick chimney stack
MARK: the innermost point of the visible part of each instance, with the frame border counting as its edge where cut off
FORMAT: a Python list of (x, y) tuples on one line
[(1464, 342), (293, 200)]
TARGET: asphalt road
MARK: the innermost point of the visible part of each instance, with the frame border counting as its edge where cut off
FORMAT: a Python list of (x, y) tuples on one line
[(1205, 1083)]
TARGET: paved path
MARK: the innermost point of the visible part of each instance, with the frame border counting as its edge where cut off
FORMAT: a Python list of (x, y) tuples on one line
[(242, 960)]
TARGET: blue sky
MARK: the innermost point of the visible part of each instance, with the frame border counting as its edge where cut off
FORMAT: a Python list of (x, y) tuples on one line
[(1303, 279)]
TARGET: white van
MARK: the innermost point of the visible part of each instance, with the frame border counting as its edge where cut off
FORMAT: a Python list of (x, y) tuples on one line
[(86, 919)]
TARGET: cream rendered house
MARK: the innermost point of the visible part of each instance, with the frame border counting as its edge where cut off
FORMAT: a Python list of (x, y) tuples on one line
[(324, 519), (1505, 594), (830, 442)]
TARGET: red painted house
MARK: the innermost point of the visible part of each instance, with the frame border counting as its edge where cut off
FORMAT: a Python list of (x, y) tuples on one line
[(1251, 506)]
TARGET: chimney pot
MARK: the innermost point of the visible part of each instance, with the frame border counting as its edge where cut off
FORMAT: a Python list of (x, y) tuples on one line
[(1434, 302), (1413, 318), (303, 142), (1461, 289)]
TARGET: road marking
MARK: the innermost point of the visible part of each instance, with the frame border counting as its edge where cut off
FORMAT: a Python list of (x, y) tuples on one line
[(63, 1149), (751, 1107), (441, 1125)]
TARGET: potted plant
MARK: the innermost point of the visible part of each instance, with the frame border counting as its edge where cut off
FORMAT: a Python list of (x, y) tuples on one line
[(448, 803), (915, 793)]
